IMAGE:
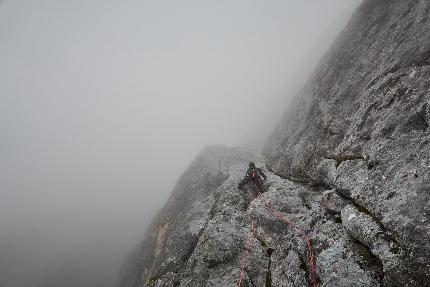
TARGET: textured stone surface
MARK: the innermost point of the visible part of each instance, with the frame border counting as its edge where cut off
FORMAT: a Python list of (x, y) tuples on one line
[(204, 204), (351, 166), (338, 268), (204, 242), (360, 127), (333, 202)]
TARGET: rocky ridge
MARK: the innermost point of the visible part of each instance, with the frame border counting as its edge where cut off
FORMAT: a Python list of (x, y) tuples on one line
[(350, 162), (199, 238)]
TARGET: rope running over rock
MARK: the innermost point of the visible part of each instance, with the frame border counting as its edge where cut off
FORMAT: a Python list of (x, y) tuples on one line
[(299, 229)]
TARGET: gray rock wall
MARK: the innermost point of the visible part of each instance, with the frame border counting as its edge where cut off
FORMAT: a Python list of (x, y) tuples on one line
[(360, 127), (175, 232), (349, 162), (199, 239)]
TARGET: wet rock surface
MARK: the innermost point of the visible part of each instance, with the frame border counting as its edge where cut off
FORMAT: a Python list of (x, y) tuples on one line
[(349, 165)]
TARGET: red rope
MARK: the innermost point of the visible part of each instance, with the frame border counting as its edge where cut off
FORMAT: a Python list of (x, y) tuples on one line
[(298, 229), (245, 258)]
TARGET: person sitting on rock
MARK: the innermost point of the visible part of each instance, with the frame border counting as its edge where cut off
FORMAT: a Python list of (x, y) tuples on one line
[(255, 175)]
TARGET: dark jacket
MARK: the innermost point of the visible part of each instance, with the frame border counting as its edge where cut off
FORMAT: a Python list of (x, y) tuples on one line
[(253, 174)]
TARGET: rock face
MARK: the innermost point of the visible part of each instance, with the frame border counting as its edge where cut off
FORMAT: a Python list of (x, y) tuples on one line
[(199, 237), (349, 163), (360, 128), (187, 229)]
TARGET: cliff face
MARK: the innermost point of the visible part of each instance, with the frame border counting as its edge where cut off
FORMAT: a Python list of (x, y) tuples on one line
[(360, 127), (199, 237), (349, 163), (179, 231)]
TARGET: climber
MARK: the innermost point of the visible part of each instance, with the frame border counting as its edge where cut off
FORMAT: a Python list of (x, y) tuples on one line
[(255, 175)]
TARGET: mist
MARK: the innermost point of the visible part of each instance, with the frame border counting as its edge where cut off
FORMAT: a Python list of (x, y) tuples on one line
[(103, 104)]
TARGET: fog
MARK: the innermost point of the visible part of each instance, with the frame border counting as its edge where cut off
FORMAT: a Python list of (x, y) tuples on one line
[(104, 103)]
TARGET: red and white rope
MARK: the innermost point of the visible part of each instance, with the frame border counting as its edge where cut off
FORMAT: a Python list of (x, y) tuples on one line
[(296, 227), (247, 252)]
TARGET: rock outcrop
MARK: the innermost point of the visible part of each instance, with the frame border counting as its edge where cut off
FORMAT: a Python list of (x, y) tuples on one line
[(199, 237), (360, 128), (349, 163)]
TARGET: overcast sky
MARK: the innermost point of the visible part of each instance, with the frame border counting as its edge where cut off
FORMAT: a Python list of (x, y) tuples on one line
[(104, 103)]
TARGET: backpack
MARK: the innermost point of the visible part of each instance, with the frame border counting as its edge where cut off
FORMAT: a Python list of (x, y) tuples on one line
[(253, 174)]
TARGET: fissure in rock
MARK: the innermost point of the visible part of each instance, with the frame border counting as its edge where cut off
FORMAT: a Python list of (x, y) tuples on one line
[(269, 271)]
